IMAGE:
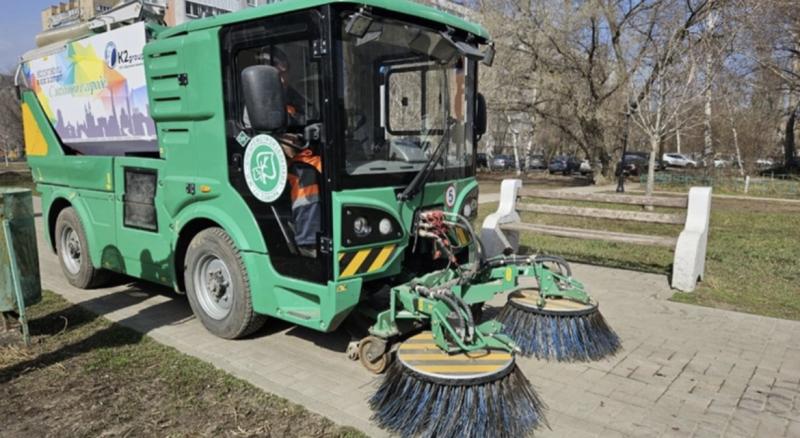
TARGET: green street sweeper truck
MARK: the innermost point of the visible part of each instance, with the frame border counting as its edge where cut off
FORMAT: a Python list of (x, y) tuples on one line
[(312, 161)]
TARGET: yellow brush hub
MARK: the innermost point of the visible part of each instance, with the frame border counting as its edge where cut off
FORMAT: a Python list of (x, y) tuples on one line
[(421, 355), (528, 299)]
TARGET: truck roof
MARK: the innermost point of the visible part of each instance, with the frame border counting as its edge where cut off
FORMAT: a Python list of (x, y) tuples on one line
[(400, 6)]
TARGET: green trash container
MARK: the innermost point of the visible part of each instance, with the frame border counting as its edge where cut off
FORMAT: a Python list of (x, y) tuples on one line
[(16, 216)]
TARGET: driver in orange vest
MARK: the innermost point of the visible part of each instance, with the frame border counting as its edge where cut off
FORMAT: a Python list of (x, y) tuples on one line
[(305, 169)]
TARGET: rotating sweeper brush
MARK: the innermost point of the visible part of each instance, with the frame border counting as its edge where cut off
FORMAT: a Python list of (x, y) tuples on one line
[(556, 320), (460, 378), (428, 392)]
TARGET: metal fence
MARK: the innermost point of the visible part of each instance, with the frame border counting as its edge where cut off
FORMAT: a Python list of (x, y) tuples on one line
[(781, 185)]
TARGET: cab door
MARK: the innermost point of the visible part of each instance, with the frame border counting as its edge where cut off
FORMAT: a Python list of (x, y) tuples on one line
[(143, 237), (291, 43)]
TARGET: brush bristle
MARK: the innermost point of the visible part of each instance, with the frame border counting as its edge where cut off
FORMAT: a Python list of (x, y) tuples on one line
[(560, 338), (409, 405)]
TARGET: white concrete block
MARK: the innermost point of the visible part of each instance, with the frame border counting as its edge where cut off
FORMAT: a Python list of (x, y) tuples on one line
[(493, 238), (690, 252)]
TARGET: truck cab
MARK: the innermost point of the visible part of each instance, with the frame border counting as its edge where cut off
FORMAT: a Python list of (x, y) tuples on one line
[(383, 93)]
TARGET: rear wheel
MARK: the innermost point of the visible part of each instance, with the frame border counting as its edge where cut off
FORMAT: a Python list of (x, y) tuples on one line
[(72, 248), (217, 286)]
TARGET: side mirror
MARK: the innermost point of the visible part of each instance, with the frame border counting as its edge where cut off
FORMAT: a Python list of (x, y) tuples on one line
[(480, 115), (263, 97), (488, 55)]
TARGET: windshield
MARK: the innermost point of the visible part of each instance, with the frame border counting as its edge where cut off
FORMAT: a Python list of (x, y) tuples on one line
[(400, 85)]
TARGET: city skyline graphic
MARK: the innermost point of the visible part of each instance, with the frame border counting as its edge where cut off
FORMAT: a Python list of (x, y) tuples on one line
[(92, 94)]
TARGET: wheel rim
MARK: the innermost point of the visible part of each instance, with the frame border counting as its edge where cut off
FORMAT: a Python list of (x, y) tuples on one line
[(212, 282), (71, 250), (375, 363)]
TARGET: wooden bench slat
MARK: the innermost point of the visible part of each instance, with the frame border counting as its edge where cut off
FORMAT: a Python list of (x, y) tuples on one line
[(636, 216), (580, 233), (657, 201)]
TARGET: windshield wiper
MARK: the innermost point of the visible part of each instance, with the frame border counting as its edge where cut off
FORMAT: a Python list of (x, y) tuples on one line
[(422, 177)]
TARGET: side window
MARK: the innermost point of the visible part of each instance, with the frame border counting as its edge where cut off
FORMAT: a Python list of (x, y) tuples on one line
[(139, 208), (299, 74)]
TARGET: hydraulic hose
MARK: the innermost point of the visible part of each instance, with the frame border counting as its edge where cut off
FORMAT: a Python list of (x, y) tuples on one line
[(456, 304), (479, 254)]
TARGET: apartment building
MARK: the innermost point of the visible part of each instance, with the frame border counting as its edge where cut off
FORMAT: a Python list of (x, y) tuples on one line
[(179, 11), (73, 11)]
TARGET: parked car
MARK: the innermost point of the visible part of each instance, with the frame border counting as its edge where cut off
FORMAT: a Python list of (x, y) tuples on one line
[(764, 162), (678, 160), (585, 167), (636, 163), (564, 164), (721, 163), (537, 161), (481, 160), (503, 162)]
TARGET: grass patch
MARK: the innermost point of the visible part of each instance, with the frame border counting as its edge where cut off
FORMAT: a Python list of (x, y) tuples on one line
[(751, 265), (86, 376)]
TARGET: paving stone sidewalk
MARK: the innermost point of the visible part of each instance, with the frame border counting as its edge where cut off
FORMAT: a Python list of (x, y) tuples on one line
[(684, 371)]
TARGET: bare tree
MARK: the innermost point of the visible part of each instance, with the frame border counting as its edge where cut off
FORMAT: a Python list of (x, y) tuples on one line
[(10, 118), (774, 28), (672, 96), (575, 68)]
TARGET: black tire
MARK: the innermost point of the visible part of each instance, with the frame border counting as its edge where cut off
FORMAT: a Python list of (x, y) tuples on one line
[(239, 319), (72, 249)]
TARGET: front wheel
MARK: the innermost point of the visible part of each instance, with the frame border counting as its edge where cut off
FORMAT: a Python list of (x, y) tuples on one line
[(72, 248), (217, 286)]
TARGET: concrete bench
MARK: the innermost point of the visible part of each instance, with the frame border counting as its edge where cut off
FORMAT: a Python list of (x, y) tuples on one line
[(500, 230)]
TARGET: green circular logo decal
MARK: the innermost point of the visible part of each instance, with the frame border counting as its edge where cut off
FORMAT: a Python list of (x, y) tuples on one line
[(265, 168)]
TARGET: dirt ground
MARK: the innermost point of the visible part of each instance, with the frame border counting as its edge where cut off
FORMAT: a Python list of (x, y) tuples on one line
[(85, 376)]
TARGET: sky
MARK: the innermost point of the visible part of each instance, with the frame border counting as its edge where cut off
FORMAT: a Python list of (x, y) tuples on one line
[(20, 21)]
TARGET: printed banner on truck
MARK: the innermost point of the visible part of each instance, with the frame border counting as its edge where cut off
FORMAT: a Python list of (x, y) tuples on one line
[(94, 92)]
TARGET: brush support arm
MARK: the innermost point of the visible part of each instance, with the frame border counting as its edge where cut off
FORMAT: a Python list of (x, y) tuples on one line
[(440, 299), (552, 274)]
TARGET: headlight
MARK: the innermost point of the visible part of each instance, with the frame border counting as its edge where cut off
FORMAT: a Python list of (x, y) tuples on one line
[(361, 227), (366, 226), (469, 207), (385, 226)]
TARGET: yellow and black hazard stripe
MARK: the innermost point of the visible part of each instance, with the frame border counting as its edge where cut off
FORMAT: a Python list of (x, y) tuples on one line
[(421, 354), (364, 261), (462, 238)]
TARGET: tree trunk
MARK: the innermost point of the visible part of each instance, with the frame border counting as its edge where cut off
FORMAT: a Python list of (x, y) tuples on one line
[(593, 133), (708, 143), (678, 139), (651, 166), (515, 138), (789, 148), (735, 133)]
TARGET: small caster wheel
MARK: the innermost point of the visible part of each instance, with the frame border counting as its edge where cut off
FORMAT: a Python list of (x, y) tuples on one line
[(352, 350), (373, 355)]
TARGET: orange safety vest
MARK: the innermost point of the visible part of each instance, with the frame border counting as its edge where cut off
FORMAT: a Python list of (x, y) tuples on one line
[(304, 171)]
